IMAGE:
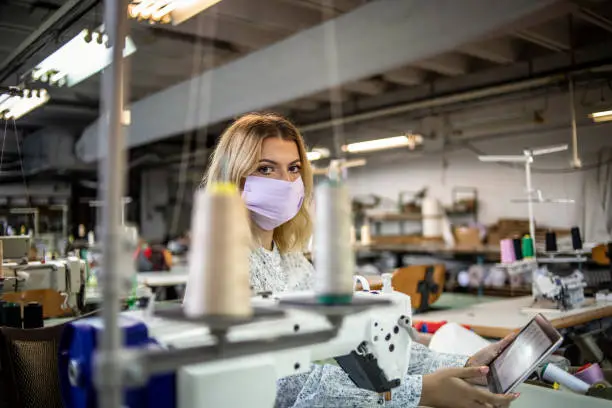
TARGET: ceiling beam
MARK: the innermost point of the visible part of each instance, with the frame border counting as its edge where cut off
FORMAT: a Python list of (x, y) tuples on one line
[(553, 36), (233, 31), (325, 96), (272, 14), (407, 76), (450, 64), (371, 40), (366, 87), (302, 105), (500, 51), (330, 7), (595, 19)]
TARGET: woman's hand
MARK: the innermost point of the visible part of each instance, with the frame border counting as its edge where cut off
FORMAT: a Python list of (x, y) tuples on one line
[(485, 356), (447, 388)]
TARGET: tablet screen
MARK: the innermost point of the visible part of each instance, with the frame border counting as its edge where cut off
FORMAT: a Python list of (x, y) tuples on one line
[(525, 351)]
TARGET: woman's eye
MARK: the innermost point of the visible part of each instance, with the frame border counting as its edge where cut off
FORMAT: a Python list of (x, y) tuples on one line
[(265, 170), (294, 169)]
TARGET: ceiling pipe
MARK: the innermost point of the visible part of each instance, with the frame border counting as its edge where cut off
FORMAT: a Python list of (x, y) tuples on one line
[(455, 98), (44, 28)]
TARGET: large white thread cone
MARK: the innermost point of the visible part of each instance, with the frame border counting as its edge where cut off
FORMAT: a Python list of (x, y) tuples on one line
[(333, 251), (218, 282)]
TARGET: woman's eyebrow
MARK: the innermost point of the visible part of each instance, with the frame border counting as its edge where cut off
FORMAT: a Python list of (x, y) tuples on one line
[(276, 164), (268, 161)]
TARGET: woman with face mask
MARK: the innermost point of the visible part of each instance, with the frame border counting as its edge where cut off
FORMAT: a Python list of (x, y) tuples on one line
[(265, 155)]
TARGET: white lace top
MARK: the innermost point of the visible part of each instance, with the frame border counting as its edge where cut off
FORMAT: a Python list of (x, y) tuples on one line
[(273, 272), (328, 385)]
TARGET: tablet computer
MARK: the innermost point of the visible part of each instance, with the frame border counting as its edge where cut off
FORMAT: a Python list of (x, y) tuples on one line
[(534, 343)]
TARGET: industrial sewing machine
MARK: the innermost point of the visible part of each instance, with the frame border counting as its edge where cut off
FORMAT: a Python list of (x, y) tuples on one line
[(58, 285), (566, 291), (370, 339)]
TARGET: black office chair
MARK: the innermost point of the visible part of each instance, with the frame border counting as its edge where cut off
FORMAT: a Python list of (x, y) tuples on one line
[(29, 374)]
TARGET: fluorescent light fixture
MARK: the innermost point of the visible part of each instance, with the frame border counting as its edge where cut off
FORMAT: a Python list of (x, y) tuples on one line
[(317, 154), (410, 141), (16, 106), (312, 156), (168, 11), (603, 116), (508, 159), (354, 163), (78, 59)]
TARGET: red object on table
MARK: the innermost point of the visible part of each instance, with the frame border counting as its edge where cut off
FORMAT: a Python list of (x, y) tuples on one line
[(431, 327)]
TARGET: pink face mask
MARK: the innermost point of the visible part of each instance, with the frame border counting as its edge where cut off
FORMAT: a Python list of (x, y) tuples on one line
[(272, 202)]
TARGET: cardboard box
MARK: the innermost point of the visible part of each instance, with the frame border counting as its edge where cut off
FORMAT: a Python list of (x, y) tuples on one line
[(467, 236)]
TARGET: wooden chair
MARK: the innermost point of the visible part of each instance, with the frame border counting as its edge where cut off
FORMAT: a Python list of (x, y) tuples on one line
[(423, 283)]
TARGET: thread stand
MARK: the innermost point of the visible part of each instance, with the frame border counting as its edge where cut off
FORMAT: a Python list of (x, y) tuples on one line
[(312, 303), (138, 365), (220, 322)]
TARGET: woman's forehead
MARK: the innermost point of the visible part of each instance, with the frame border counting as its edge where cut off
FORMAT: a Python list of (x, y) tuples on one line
[(279, 150)]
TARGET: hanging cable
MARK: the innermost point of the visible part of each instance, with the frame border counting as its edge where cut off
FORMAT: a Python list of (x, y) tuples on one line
[(23, 175), (203, 61), (335, 91), (3, 144)]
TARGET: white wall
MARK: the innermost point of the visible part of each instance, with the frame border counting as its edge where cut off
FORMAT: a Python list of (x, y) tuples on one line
[(387, 174)]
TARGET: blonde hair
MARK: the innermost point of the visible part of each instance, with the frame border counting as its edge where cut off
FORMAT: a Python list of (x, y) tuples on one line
[(237, 156)]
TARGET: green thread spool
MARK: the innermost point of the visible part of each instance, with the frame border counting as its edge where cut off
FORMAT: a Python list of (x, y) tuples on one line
[(527, 246)]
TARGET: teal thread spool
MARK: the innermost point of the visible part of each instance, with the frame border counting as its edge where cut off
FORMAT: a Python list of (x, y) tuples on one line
[(527, 246)]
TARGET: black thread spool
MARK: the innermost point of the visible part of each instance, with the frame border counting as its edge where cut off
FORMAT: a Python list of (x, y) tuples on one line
[(576, 239), (11, 313), (33, 316), (551, 241), (518, 249)]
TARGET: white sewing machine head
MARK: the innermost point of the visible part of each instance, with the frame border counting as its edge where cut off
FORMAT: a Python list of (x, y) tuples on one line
[(372, 345), (66, 276), (566, 291)]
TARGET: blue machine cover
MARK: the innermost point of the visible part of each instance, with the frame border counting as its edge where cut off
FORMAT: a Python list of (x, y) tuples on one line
[(78, 345)]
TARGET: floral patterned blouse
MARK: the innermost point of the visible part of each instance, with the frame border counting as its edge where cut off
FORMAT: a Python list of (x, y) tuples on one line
[(328, 385)]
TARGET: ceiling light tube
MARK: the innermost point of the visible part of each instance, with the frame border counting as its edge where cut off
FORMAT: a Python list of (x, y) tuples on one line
[(91, 52), (312, 156), (410, 140), (603, 116), (185, 9), (166, 11), (15, 107), (507, 159), (317, 153)]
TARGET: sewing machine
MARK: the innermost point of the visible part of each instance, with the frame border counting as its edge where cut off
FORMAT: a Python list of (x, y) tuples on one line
[(47, 282), (566, 291), (15, 248), (370, 340)]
